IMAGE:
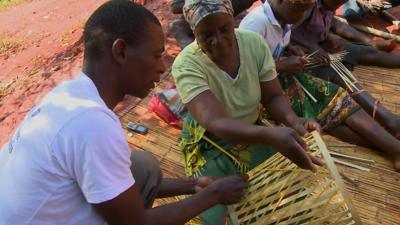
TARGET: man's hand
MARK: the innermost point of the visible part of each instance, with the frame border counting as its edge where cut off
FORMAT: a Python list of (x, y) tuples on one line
[(203, 182), (229, 190), (289, 143), (292, 65)]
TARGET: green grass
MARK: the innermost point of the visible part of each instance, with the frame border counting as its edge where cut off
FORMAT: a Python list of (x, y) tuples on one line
[(7, 3), (8, 45)]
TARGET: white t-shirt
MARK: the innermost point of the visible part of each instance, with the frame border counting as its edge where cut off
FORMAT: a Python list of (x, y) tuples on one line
[(263, 21), (70, 151)]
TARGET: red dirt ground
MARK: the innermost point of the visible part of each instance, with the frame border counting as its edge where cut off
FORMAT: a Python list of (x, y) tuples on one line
[(49, 34), (49, 50)]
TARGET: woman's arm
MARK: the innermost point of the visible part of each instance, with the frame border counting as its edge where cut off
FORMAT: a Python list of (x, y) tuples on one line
[(209, 112), (278, 106)]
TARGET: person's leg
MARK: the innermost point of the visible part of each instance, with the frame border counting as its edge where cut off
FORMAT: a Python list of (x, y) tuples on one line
[(349, 33), (365, 126), (374, 57), (345, 133), (147, 174), (383, 116), (387, 119)]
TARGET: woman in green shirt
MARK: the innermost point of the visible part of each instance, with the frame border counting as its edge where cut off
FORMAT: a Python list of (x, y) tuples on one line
[(222, 78)]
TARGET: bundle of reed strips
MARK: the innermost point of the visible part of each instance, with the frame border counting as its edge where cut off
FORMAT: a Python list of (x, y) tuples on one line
[(281, 193), (335, 63)]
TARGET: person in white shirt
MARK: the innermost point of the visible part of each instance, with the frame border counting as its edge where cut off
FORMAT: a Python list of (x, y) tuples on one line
[(69, 163)]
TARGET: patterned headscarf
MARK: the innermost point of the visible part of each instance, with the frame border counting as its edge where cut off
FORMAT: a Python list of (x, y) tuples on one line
[(196, 10)]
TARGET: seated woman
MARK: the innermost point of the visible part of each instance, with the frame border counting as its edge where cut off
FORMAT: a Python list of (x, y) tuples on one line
[(222, 78), (337, 113)]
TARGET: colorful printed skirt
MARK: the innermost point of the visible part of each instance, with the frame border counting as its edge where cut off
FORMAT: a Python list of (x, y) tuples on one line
[(204, 154), (331, 106)]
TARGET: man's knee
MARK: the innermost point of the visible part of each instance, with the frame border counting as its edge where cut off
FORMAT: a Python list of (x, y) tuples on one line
[(146, 165)]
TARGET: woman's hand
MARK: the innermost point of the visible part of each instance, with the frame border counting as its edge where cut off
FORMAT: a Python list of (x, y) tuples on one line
[(306, 125), (289, 143)]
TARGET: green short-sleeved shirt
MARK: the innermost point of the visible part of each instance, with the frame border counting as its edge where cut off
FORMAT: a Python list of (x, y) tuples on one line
[(195, 73)]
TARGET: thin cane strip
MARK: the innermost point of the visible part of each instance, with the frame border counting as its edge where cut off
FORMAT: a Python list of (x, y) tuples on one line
[(305, 211), (336, 176), (281, 198), (249, 194), (305, 90), (263, 200), (348, 83), (266, 123), (276, 161), (273, 196), (273, 165), (284, 164), (322, 208), (312, 54), (237, 162), (345, 71), (338, 220), (321, 220), (344, 77), (344, 219), (318, 198), (300, 206), (298, 195), (271, 191), (276, 182), (351, 165), (234, 219), (352, 157)]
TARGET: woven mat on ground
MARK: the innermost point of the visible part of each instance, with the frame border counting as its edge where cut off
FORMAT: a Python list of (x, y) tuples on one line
[(376, 194)]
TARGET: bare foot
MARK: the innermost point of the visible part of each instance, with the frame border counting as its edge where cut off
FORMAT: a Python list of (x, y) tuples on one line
[(385, 45)]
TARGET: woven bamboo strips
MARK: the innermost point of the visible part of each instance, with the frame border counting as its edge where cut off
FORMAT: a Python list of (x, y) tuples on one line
[(371, 30), (336, 64), (281, 193)]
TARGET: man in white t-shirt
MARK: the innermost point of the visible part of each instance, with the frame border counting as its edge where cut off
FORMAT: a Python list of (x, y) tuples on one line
[(69, 163)]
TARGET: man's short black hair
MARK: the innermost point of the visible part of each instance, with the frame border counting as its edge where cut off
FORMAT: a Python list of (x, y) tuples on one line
[(115, 19)]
